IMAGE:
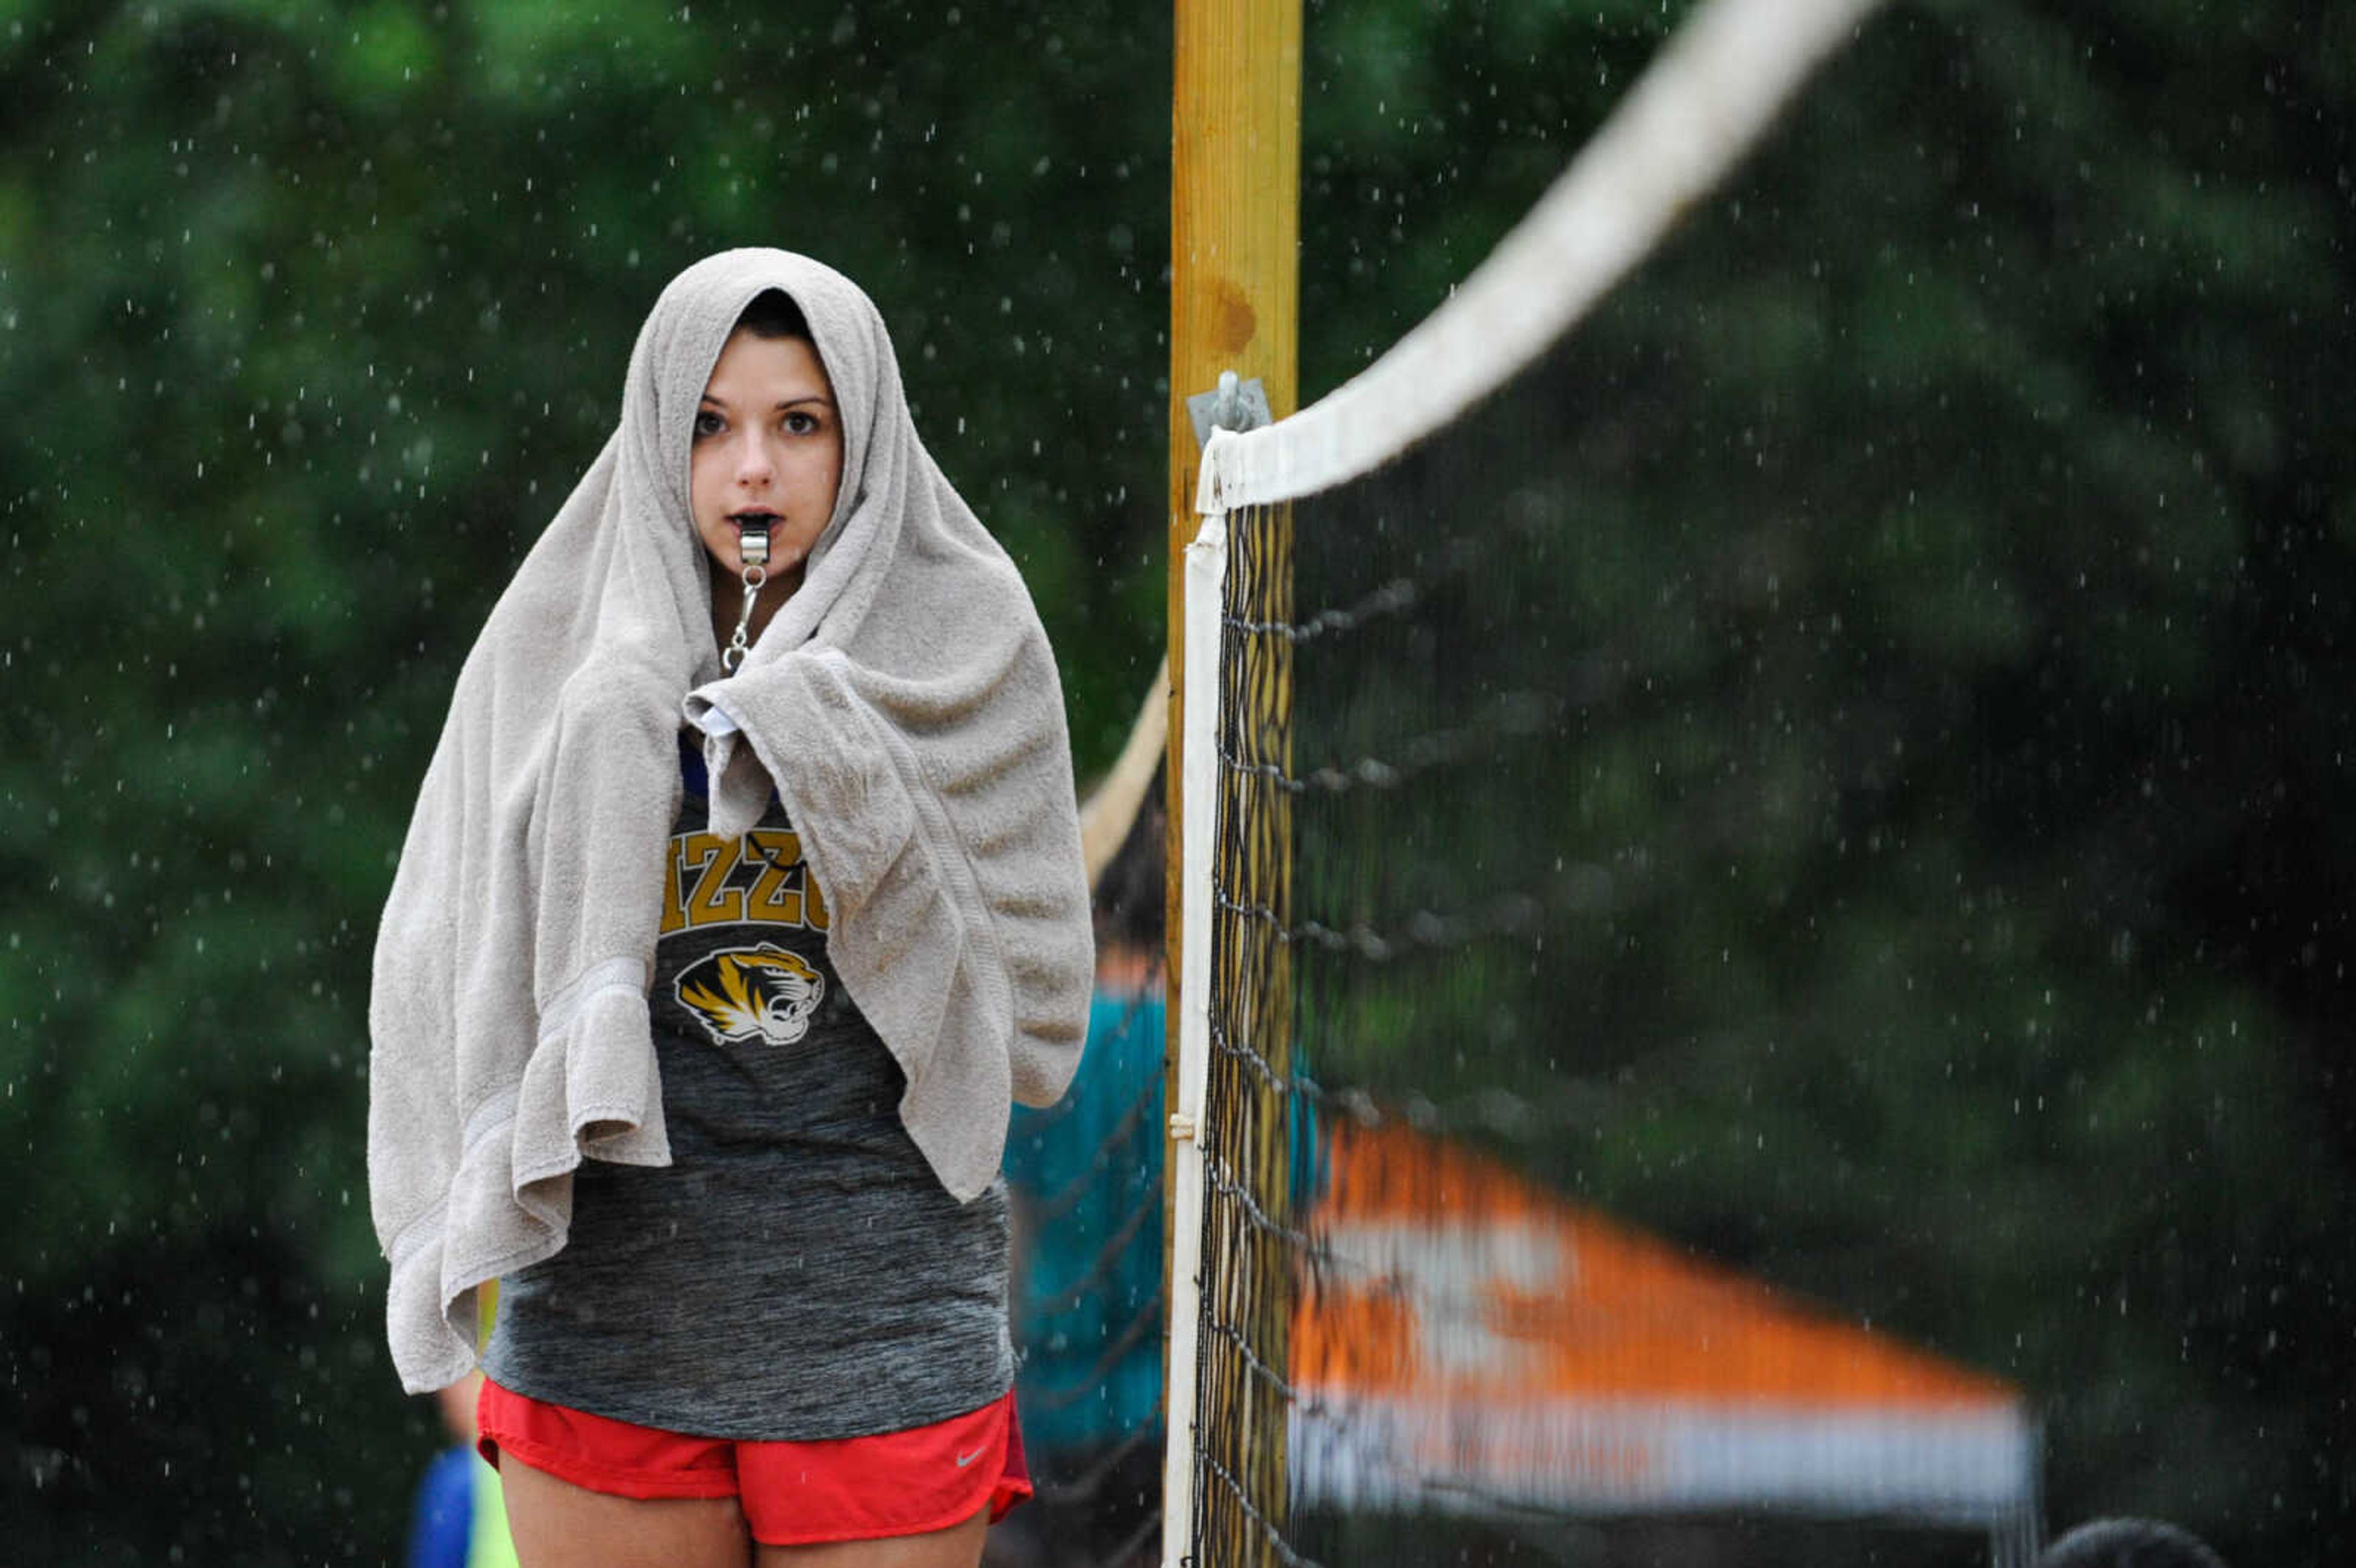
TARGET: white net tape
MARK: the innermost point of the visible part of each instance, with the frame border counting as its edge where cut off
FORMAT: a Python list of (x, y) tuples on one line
[(1715, 89)]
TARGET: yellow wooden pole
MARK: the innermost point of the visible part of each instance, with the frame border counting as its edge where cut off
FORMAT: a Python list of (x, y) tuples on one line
[(1233, 307), (1235, 270)]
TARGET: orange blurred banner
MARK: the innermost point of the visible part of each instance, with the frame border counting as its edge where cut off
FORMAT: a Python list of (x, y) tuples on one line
[(1465, 1339)]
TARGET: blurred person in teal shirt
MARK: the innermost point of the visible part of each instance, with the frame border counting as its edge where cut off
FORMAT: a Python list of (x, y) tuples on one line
[(1085, 1176)]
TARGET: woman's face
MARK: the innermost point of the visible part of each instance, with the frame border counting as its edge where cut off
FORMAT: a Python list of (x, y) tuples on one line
[(767, 443)]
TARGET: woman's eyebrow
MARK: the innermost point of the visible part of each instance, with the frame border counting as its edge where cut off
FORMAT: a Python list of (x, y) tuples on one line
[(782, 402)]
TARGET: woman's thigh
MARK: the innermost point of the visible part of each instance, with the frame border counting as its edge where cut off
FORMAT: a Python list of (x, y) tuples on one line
[(556, 1524), (958, 1546)]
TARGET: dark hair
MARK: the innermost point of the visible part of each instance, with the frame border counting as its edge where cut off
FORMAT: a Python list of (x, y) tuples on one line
[(773, 313), (1128, 890), (2130, 1543)]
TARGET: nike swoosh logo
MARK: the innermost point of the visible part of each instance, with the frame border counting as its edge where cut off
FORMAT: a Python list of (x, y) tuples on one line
[(965, 1459)]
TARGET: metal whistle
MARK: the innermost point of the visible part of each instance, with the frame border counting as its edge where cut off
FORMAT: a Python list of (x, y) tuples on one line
[(753, 544)]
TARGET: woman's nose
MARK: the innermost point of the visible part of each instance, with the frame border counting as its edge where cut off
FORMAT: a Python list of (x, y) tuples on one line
[(753, 465)]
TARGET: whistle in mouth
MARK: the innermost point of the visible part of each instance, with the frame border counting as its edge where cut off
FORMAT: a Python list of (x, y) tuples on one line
[(752, 541)]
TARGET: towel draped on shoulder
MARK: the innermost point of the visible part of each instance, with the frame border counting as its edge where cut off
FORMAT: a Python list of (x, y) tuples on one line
[(904, 704)]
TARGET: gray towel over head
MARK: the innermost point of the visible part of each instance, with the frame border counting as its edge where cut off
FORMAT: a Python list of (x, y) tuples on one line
[(905, 702)]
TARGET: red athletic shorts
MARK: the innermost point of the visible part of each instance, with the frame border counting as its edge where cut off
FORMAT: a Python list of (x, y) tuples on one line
[(793, 1494)]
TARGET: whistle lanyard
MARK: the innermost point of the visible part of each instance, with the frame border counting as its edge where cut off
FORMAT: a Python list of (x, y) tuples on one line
[(754, 545)]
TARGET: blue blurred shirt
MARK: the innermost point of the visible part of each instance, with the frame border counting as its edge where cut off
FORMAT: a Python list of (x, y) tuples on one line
[(443, 1518), (1086, 1178)]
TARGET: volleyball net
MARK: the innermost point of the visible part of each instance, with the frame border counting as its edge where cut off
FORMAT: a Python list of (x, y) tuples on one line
[(1443, 652)]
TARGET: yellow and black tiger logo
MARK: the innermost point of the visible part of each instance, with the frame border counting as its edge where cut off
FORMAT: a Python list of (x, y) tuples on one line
[(743, 994)]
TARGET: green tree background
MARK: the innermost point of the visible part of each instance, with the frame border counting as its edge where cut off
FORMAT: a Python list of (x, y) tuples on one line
[(2018, 363)]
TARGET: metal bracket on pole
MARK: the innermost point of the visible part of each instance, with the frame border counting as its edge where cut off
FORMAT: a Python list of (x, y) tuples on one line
[(1235, 405)]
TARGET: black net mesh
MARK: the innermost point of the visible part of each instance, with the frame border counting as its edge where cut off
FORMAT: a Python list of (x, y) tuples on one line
[(1532, 876)]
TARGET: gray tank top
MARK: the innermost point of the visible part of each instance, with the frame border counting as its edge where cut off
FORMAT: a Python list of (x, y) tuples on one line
[(797, 1273)]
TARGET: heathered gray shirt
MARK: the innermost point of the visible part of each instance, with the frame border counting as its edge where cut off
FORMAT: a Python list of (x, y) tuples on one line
[(798, 1272)]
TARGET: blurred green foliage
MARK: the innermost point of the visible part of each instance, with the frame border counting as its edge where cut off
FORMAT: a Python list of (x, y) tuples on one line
[(2016, 368)]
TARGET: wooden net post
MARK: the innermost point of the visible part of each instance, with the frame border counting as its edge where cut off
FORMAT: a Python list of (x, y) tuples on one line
[(1234, 287)]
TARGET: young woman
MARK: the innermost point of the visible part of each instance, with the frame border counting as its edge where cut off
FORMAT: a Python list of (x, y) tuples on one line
[(743, 896)]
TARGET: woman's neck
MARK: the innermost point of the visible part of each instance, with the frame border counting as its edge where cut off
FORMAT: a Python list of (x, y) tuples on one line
[(728, 603)]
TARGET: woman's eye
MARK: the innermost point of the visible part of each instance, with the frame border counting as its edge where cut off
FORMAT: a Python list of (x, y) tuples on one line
[(709, 423), (802, 423)]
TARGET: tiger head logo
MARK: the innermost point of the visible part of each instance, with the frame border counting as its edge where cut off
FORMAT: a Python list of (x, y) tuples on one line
[(743, 994)]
